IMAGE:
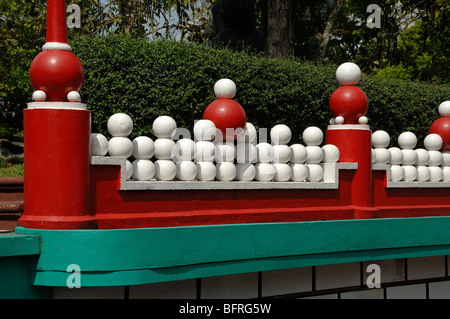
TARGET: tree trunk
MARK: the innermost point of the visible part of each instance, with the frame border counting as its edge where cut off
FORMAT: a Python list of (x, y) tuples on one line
[(280, 32), (327, 33)]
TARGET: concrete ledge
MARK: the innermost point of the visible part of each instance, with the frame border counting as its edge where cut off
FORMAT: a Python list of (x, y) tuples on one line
[(402, 184)]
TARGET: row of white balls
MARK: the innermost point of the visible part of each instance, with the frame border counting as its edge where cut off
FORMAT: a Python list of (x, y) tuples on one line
[(165, 170), (411, 173)]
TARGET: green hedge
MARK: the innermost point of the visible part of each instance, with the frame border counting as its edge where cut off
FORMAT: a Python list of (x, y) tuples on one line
[(148, 79)]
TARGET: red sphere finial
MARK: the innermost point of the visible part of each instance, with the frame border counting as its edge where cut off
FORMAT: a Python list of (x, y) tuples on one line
[(442, 125), (228, 116)]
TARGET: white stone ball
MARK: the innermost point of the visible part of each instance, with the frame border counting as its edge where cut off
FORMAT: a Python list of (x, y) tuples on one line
[(397, 173), (225, 89), (374, 156), (423, 173), (143, 147), (282, 172), (245, 172), (186, 170), (281, 153), (410, 173), (205, 151), (163, 148), (363, 120), (206, 171), (39, 96), (339, 120), (444, 108), (225, 152), (264, 172), (143, 170), (396, 157), (165, 170), (249, 134), (264, 152), (332, 121), (164, 127), (280, 134), (74, 96), (299, 172), (409, 157), (298, 153), (314, 154), (348, 73), (245, 153), (315, 173), (120, 125), (380, 139), (446, 174), (422, 156), (407, 140), (445, 158), (331, 153), (204, 130), (99, 144), (120, 147), (435, 158), (436, 174), (382, 155), (433, 142), (184, 150), (128, 169), (312, 136), (225, 171)]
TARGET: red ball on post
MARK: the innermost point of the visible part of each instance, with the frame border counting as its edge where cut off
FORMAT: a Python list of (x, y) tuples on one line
[(441, 127), (350, 102)]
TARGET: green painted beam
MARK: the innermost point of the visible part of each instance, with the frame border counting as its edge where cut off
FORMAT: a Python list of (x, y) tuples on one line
[(13, 244)]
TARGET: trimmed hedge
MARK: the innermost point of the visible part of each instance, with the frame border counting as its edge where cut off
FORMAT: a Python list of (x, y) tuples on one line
[(149, 79)]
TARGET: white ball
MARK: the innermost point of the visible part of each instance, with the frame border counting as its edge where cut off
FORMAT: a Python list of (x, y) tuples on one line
[(184, 150), (225, 89), (120, 147), (363, 120), (423, 173), (348, 73), (407, 140), (206, 171), (410, 173), (204, 130), (374, 156), (225, 171), (298, 153), (435, 158), (143, 170), (205, 151), (436, 174), (339, 120), (445, 158), (225, 152), (396, 157), (380, 139), (282, 172), (422, 156), (165, 170), (397, 173), (164, 127), (382, 155), (314, 154), (312, 136), (433, 142), (446, 174), (74, 96), (186, 170), (163, 148), (249, 134), (299, 172), (280, 134), (245, 153), (39, 96), (444, 108), (264, 152), (128, 170), (281, 153), (409, 157), (264, 172), (99, 144), (315, 173), (331, 153), (245, 172), (143, 147), (120, 125)]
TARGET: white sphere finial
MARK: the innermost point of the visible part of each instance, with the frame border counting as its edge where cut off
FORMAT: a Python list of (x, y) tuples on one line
[(39, 96), (74, 96), (348, 73), (120, 125), (225, 89), (444, 108)]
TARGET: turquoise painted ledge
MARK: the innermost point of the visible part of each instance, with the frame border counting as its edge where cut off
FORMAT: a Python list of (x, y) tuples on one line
[(147, 255)]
